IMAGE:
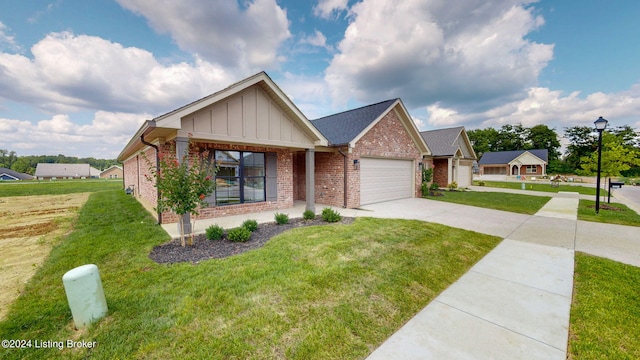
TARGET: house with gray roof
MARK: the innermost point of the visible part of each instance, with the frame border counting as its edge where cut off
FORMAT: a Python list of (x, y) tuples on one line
[(349, 159), (452, 155), (47, 171), (518, 164), (10, 175)]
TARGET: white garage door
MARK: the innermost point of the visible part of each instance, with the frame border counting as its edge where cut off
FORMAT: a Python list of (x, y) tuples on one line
[(385, 179), (464, 176)]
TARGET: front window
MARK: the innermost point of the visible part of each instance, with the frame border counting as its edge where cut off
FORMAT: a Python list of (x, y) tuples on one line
[(532, 169), (240, 178)]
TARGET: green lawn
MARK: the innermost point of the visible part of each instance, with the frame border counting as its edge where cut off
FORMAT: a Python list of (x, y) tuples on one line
[(25, 188), (605, 316), (546, 186), (321, 292), (619, 214), (524, 204)]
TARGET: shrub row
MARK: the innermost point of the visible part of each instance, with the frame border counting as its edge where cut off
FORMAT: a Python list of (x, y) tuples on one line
[(243, 233)]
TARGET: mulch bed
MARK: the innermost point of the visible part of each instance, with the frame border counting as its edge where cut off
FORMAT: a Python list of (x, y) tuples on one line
[(203, 249), (606, 207)]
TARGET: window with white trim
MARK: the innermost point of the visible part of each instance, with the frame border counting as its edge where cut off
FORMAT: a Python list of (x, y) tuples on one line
[(532, 169)]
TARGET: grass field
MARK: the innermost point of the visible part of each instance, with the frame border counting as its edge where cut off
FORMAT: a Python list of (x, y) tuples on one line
[(584, 190), (524, 204), (613, 213), (29, 188), (605, 315), (316, 292)]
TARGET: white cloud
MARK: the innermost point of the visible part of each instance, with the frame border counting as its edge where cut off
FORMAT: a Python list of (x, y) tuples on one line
[(310, 94), (102, 138), (71, 72), (8, 41), (473, 54), (220, 31), (550, 107), (326, 8), (317, 39)]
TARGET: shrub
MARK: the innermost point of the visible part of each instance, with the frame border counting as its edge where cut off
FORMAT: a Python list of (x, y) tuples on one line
[(434, 186), (239, 234), (453, 186), (330, 215), (281, 219), (424, 189), (308, 215), (251, 225), (214, 232), (481, 183)]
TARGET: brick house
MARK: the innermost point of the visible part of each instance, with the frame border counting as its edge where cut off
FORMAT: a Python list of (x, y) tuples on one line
[(452, 155), (270, 155), (518, 164)]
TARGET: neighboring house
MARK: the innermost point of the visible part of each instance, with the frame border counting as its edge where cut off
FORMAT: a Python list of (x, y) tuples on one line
[(113, 172), (46, 171), (10, 175), (514, 164), (271, 155), (453, 156)]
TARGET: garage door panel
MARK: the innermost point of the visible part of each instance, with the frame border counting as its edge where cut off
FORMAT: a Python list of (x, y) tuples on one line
[(464, 177), (385, 179)]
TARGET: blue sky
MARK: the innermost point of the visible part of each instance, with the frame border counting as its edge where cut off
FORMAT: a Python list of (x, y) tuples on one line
[(79, 77)]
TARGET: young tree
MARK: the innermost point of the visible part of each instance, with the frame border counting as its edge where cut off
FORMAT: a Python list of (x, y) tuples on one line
[(183, 185), (616, 158)]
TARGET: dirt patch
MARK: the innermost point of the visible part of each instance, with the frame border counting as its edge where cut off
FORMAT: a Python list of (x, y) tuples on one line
[(29, 227)]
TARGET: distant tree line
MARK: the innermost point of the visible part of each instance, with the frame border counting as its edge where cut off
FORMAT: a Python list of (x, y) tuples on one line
[(621, 147), (27, 164)]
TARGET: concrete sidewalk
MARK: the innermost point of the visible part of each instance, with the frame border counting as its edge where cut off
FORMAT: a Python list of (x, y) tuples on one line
[(513, 304)]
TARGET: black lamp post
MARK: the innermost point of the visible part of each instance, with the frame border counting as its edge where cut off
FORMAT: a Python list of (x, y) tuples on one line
[(600, 125)]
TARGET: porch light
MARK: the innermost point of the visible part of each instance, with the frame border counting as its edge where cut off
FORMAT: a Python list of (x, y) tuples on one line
[(356, 164), (601, 124)]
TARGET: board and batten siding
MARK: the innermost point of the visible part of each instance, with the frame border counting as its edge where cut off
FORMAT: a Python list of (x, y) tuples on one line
[(250, 116)]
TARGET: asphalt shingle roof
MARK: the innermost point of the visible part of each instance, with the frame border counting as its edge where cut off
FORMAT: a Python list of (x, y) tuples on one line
[(343, 127), (504, 157), (441, 141)]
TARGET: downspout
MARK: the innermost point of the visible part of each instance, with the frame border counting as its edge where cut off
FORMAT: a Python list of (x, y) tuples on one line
[(345, 177), (157, 171)]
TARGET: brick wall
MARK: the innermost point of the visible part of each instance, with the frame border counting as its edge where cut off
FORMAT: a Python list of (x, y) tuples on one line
[(441, 172), (135, 169), (329, 178)]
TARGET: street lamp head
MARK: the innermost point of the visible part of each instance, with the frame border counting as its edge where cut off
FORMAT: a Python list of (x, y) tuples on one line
[(601, 123)]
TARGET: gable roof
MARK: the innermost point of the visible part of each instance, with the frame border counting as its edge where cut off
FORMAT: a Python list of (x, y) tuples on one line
[(169, 123), (342, 128), (443, 142), (13, 175), (505, 157), (63, 170)]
